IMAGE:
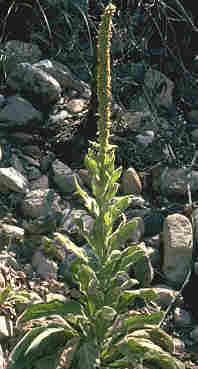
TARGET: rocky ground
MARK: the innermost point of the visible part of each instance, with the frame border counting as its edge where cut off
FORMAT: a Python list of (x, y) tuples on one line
[(48, 112)]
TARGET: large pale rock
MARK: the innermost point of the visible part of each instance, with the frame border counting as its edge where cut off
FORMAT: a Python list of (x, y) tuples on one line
[(64, 76), (18, 112), (37, 85), (45, 267), (64, 177), (12, 180), (131, 183), (177, 248), (69, 226), (10, 233), (39, 203)]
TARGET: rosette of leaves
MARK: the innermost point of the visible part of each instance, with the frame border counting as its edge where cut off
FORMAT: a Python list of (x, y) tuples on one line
[(98, 330)]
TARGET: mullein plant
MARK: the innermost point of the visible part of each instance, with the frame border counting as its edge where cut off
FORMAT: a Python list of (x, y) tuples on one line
[(99, 329)]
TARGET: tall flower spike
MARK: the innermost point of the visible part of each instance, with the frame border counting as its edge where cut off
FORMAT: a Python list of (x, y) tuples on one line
[(104, 80)]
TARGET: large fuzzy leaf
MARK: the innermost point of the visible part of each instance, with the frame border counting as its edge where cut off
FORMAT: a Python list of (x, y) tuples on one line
[(89, 201), (140, 321), (119, 205), (43, 343), (54, 307), (157, 336), (103, 320), (16, 358), (127, 298), (134, 347), (122, 234), (86, 357), (70, 246), (37, 343), (85, 274)]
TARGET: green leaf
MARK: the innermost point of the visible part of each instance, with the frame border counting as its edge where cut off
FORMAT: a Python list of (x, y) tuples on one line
[(127, 298), (106, 313), (128, 285), (43, 343), (111, 192), (85, 274), (91, 164), (150, 353), (140, 321), (111, 266), (89, 201), (95, 293), (16, 359), (103, 320), (122, 234), (120, 204), (55, 307), (157, 336), (70, 246), (86, 357), (130, 256), (116, 174)]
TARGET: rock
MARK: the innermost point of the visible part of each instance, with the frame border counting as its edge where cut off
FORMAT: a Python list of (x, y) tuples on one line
[(85, 177), (46, 161), (192, 116), (76, 106), (153, 223), (69, 226), (136, 120), (33, 151), (157, 81), (194, 135), (130, 182), (145, 139), (21, 138), (179, 346), (55, 296), (10, 234), (174, 181), (177, 248), (45, 267), (2, 101), (17, 163), (18, 112), (12, 180), (194, 334), (165, 295), (17, 51), (34, 83), (64, 177), (43, 224), (63, 75), (41, 183), (41, 203), (182, 318)]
